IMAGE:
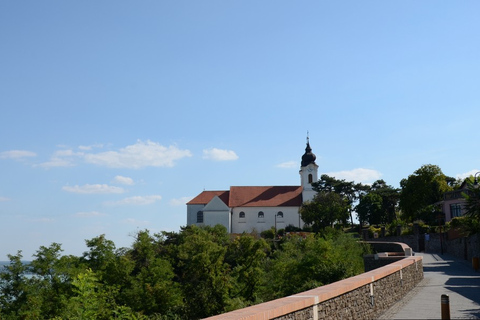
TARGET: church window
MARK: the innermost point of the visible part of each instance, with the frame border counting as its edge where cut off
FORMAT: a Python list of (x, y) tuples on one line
[(310, 178), (241, 215), (280, 214), (261, 215), (200, 217)]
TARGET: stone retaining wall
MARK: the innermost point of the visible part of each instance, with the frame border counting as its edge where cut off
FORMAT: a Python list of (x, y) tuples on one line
[(462, 247), (372, 261), (365, 296)]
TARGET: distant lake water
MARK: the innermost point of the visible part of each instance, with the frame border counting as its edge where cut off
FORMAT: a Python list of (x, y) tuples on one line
[(3, 264)]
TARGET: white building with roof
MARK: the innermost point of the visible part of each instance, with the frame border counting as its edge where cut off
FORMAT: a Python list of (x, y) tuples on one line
[(247, 208)]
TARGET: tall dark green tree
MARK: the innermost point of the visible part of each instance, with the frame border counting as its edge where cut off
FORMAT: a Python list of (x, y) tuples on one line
[(151, 288), (421, 191), (348, 190), (53, 279), (246, 256), (326, 209), (203, 271), (379, 204), (369, 208)]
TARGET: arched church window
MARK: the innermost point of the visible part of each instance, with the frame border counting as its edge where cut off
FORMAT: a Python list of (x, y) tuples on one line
[(280, 214), (261, 215), (310, 178), (200, 217), (241, 215)]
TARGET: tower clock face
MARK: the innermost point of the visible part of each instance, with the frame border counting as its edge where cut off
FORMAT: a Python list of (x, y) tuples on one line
[(309, 169)]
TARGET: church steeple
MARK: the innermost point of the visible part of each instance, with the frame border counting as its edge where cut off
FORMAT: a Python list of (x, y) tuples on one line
[(308, 157), (308, 172)]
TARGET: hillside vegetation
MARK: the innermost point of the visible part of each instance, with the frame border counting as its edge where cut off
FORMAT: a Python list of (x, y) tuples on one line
[(191, 274)]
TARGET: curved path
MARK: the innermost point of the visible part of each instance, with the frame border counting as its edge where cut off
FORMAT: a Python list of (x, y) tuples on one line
[(443, 274)]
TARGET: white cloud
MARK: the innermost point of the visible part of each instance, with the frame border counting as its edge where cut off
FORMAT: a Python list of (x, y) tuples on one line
[(180, 201), (88, 148), (17, 154), (142, 154), (357, 175), (89, 214), (123, 180), (93, 189), (135, 222), (465, 175), (62, 158), (288, 165), (219, 154), (3, 199), (137, 200)]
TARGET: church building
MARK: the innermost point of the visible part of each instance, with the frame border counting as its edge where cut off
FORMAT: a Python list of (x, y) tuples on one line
[(247, 208)]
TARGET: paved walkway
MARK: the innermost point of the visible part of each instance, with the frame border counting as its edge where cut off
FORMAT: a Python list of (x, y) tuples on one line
[(443, 274)]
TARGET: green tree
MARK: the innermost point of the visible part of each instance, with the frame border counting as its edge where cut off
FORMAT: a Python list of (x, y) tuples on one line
[(472, 197), (52, 281), (14, 289), (39, 290), (88, 302), (348, 190), (421, 191), (306, 263), (151, 287), (379, 204), (246, 256), (202, 270), (390, 197), (101, 254), (326, 209), (369, 209)]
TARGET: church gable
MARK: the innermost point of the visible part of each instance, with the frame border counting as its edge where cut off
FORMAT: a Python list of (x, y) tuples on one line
[(206, 196), (216, 204)]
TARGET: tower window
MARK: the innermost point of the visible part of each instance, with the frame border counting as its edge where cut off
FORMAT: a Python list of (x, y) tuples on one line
[(241, 215), (310, 178), (261, 215), (280, 214), (200, 217)]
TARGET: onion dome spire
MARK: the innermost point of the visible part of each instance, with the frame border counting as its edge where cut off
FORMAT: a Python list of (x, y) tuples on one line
[(308, 157)]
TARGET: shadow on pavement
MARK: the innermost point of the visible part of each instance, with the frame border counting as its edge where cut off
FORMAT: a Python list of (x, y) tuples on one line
[(474, 313), (462, 280)]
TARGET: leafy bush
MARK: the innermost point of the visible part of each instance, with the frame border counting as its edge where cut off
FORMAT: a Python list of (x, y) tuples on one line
[(467, 225), (268, 234)]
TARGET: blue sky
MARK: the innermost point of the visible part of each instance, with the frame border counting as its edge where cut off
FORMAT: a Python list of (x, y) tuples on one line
[(115, 113)]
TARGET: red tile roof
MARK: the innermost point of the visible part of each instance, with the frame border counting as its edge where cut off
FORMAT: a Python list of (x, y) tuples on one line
[(276, 196), (206, 196), (270, 196)]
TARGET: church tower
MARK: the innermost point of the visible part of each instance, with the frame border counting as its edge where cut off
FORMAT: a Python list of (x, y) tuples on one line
[(308, 173)]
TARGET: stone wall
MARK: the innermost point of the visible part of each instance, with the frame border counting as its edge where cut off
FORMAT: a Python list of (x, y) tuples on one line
[(462, 247), (372, 261), (410, 240), (366, 296)]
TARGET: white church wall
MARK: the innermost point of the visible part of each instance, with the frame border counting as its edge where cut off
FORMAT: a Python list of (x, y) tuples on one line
[(212, 218), (251, 221), (192, 210)]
